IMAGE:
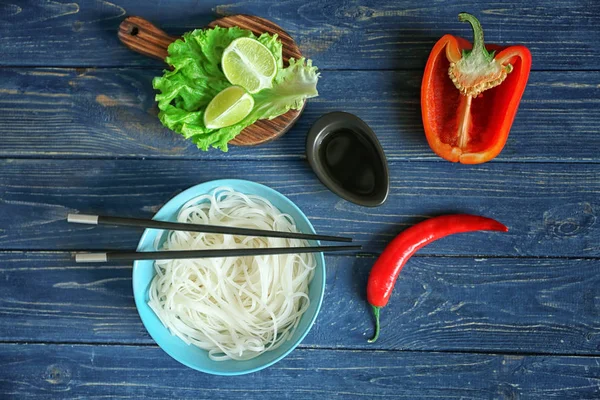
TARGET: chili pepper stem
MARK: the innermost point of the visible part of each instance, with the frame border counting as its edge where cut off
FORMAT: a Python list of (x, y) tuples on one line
[(376, 314), (477, 70)]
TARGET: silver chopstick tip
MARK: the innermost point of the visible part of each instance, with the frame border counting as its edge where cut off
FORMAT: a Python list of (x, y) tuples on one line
[(90, 257), (83, 219)]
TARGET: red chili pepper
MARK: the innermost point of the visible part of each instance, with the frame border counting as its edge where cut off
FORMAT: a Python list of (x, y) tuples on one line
[(389, 264), (469, 97)]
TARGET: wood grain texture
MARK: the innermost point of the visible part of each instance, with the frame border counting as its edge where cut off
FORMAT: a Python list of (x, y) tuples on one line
[(362, 34), (439, 304), (551, 209), (142, 37), (95, 372), (111, 113), (70, 331)]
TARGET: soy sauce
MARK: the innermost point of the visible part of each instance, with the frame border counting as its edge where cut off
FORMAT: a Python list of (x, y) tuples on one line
[(352, 161)]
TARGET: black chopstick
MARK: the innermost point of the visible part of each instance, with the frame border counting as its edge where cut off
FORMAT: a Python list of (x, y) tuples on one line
[(178, 226), (175, 255)]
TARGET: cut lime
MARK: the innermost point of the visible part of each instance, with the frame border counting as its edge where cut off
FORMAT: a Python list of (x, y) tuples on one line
[(248, 63), (228, 107)]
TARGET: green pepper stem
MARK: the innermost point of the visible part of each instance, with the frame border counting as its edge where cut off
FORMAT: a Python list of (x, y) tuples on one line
[(376, 314), (477, 70), (478, 43)]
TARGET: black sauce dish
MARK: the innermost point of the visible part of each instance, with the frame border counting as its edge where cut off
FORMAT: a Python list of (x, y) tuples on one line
[(347, 157)]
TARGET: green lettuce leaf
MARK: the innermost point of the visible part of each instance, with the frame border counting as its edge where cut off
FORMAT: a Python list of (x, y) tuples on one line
[(196, 78)]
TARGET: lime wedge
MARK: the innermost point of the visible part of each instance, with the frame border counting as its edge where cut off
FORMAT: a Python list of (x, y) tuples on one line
[(248, 63), (228, 107)]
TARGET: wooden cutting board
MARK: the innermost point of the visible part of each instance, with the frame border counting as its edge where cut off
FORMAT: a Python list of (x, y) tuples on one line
[(145, 38)]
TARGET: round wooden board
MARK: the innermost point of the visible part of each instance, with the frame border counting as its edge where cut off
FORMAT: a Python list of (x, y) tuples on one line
[(143, 37)]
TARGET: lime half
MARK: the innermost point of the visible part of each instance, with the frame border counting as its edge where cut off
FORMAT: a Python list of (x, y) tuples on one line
[(248, 63), (228, 107)]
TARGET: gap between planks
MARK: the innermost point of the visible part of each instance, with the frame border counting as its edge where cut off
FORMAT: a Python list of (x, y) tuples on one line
[(67, 253), (161, 68), (281, 158), (317, 348)]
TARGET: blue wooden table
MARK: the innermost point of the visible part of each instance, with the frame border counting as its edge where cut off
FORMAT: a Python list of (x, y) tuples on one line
[(475, 316)]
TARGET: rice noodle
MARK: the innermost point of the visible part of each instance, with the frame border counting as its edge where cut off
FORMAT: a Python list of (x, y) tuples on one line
[(235, 307)]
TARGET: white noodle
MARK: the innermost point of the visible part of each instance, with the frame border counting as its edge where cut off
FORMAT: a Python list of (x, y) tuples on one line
[(234, 307)]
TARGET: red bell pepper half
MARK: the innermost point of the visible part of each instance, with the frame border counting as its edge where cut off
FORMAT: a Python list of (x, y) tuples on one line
[(470, 95)]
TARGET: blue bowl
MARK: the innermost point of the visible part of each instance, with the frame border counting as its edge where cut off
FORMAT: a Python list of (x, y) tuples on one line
[(192, 356)]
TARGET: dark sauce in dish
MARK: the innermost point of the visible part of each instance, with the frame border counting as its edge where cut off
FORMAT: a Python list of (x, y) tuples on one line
[(346, 156), (351, 161)]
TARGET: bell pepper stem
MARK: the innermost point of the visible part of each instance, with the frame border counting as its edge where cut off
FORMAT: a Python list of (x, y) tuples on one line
[(478, 43), (376, 314), (477, 70)]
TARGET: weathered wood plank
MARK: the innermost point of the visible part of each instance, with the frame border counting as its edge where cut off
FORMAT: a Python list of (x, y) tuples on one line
[(551, 209), (111, 113), (365, 34), (513, 304), (94, 372), (440, 304)]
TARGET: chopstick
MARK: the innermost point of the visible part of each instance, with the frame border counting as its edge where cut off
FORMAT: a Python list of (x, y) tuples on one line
[(175, 255), (178, 226)]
